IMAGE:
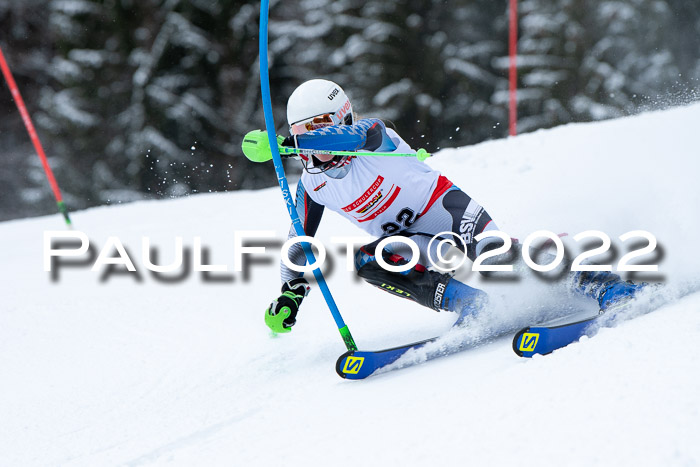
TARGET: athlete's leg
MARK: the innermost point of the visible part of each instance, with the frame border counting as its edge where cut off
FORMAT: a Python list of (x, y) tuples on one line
[(459, 218), (438, 291)]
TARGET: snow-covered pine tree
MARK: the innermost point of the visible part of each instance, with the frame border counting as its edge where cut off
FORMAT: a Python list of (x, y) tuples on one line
[(581, 61), (151, 96), (628, 61), (424, 65)]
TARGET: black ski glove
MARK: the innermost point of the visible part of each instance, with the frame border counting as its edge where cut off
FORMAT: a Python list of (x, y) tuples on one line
[(281, 315), (289, 141)]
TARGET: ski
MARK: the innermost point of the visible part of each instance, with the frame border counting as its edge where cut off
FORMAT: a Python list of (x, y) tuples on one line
[(546, 339), (359, 364), (531, 340)]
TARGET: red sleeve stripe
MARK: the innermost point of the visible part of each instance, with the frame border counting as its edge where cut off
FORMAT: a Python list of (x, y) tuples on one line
[(443, 184)]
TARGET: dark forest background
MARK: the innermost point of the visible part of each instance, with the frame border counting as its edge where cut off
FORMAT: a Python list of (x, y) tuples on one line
[(137, 99)]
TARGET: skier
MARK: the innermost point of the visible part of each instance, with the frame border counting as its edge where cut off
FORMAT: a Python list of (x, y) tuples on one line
[(387, 196)]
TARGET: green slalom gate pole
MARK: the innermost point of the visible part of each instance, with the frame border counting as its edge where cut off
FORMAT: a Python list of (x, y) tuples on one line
[(282, 179)]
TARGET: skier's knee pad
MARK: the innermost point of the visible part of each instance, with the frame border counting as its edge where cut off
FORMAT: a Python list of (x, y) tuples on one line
[(417, 284)]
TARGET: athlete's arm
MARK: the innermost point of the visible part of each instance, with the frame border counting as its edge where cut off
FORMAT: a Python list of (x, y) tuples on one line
[(368, 134), (310, 213)]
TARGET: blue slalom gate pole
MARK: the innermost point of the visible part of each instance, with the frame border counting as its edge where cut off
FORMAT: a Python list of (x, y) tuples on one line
[(282, 178)]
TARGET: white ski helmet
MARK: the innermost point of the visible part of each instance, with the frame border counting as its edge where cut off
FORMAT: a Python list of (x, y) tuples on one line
[(318, 98)]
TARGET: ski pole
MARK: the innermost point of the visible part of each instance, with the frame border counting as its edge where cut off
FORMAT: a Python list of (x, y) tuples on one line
[(282, 179), (257, 149), (33, 136)]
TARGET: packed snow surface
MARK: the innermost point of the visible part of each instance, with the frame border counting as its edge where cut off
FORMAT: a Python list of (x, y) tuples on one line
[(110, 367)]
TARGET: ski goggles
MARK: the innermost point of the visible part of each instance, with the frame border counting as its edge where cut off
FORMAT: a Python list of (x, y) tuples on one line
[(313, 123)]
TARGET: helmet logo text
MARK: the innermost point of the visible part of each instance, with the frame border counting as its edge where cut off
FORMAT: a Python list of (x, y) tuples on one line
[(343, 111)]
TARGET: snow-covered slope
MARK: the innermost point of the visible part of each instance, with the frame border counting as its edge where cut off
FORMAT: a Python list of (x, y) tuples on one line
[(131, 370)]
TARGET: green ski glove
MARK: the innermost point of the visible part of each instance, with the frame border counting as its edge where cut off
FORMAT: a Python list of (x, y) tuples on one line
[(281, 315)]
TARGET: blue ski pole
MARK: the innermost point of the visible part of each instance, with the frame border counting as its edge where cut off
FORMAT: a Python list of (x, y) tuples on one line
[(282, 179)]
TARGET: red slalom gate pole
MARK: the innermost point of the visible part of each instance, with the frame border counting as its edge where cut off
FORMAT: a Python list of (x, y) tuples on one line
[(33, 136), (513, 71)]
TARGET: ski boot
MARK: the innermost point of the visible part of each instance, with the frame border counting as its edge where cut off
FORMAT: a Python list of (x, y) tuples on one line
[(615, 294), (462, 299), (607, 288)]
